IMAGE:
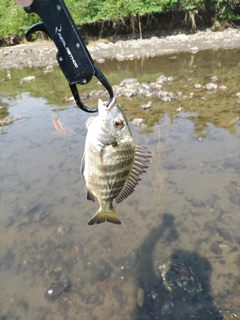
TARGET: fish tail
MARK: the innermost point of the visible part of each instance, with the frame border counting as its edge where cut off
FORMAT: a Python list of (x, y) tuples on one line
[(101, 216)]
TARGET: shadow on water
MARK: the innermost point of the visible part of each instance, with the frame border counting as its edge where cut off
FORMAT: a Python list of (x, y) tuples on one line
[(178, 290)]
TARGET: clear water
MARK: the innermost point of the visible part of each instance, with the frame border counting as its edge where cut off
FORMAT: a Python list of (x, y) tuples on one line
[(176, 255)]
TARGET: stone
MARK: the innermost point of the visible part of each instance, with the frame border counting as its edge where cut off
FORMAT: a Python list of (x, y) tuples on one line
[(147, 105), (138, 122), (140, 297), (215, 248), (214, 78), (27, 79), (198, 86), (58, 287), (225, 234), (95, 298), (211, 86)]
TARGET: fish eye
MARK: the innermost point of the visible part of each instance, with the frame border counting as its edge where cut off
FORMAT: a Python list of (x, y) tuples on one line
[(118, 124)]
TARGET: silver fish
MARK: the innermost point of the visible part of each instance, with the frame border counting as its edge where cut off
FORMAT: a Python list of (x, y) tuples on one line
[(111, 162)]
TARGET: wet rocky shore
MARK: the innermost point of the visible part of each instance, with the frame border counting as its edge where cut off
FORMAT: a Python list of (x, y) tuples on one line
[(42, 53)]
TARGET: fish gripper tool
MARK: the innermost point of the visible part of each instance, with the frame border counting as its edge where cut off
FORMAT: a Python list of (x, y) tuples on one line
[(73, 56)]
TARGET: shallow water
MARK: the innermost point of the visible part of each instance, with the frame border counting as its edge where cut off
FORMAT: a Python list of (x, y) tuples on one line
[(176, 255)]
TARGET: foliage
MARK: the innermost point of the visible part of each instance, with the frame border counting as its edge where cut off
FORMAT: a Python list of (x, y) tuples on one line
[(14, 20), (225, 9)]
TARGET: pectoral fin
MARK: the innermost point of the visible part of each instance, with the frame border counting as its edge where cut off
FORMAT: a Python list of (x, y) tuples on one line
[(82, 166)]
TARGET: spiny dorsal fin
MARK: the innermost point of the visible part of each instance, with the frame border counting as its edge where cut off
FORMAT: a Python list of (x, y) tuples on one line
[(140, 163)]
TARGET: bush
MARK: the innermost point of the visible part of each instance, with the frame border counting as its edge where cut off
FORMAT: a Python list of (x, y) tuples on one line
[(14, 20)]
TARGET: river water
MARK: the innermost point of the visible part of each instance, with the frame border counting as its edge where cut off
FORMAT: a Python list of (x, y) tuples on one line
[(176, 256)]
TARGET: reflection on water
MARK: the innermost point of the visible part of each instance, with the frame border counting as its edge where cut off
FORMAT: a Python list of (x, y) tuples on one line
[(176, 255)]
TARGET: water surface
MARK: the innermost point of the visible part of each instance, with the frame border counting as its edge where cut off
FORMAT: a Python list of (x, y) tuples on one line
[(176, 255)]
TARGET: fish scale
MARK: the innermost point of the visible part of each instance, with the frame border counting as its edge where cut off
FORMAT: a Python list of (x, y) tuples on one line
[(112, 162)]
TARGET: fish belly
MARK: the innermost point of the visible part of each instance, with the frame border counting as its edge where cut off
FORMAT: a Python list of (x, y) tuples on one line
[(107, 171)]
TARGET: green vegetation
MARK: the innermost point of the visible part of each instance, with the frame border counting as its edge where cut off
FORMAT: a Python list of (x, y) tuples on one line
[(14, 21)]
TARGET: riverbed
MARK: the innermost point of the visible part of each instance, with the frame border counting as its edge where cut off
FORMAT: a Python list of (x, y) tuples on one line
[(176, 256)]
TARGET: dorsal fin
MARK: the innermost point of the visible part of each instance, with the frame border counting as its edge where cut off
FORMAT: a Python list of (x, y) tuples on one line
[(140, 163)]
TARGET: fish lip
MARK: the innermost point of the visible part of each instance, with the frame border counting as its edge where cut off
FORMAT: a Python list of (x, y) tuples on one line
[(104, 108)]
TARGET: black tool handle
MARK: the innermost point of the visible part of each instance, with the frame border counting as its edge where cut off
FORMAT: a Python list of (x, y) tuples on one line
[(73, 56)]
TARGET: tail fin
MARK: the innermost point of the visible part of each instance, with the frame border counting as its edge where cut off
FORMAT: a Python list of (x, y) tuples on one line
[(102, 216)]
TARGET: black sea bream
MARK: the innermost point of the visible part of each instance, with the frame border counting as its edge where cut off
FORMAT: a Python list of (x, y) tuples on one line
[(112, 162)]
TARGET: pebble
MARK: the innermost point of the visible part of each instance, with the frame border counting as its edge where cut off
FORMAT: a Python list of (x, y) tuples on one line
[(147, 105), (215, 248), (101, 285), (27, 79), (58, 287), (238, 95), (95, 298), (140, 297), (194, 49), (214, 78), (211, 86), (222, 87), (170, 79), (118, 295), (166, 99), (224, 233), (138, 122), (162, 79), (48, 69), (49, 221), (197, 203), (198, 86)]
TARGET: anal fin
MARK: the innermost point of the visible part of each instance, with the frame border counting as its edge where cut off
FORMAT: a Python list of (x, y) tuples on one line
[(90, 196)]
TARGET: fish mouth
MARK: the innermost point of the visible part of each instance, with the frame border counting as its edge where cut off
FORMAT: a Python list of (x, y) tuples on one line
[(105, 107)]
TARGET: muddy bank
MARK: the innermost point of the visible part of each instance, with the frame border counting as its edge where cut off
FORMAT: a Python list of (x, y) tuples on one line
[(41, 54)]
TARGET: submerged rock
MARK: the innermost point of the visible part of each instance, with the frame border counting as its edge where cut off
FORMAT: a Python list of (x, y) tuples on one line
[(95, 298), (224, 233), (180, 279), (140, 297), (118, 294), (57, 287)]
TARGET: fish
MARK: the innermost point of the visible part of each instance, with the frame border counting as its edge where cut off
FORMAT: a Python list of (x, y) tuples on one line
[(56, 122), (112, 162)]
